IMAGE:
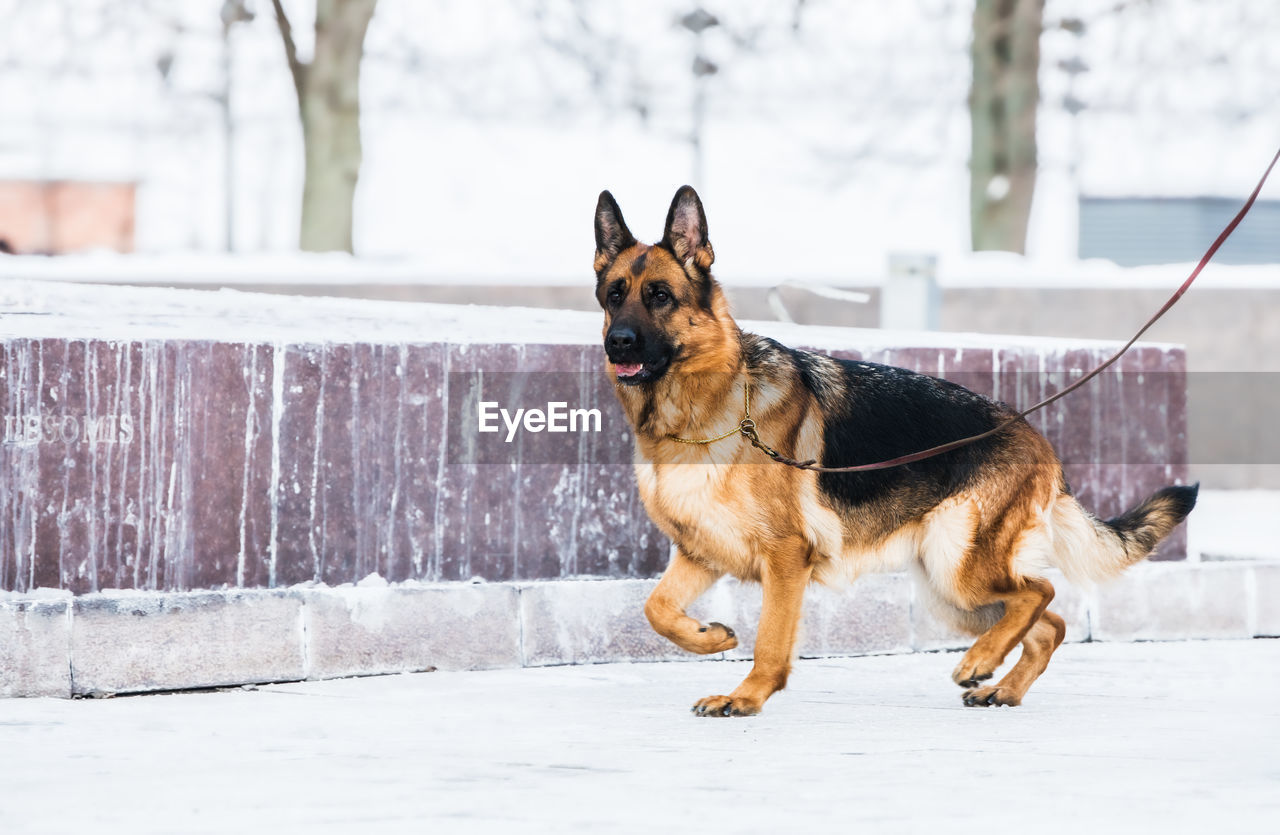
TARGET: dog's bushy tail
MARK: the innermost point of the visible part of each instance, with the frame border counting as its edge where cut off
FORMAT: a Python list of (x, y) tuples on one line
[(1089, 549)]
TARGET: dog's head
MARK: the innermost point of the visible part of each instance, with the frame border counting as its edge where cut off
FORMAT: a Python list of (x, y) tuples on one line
[(663, 312)]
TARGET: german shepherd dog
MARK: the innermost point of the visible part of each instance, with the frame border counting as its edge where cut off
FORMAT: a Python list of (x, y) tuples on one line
[(978, 525)]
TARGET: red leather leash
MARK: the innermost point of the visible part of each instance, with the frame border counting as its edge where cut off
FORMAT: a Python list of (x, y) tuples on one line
[(750, 434)]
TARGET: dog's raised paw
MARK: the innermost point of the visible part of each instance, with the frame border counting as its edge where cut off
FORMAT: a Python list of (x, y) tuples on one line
[(720, 706), (991, 696), (727, 629), (716, 638)]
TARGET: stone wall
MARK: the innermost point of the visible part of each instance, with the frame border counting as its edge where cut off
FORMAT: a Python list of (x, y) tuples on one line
[(230, 440)]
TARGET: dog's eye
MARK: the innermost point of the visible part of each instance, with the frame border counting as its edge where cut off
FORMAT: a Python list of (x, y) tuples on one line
[(660, 297), (615, 296)]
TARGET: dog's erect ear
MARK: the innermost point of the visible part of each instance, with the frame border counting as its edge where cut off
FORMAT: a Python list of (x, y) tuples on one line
[(612, 234), (686, 231)]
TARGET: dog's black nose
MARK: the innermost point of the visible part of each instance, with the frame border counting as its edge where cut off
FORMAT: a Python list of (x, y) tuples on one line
[(622, 339)]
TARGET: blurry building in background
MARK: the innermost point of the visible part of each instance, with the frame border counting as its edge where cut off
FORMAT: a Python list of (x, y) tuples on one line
[(53, 217), (1135, 231)]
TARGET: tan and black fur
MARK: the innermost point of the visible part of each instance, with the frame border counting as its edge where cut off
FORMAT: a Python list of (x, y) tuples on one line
[(979, 525)]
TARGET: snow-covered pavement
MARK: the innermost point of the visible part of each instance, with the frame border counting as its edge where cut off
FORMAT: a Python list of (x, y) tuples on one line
[(1168, 737)]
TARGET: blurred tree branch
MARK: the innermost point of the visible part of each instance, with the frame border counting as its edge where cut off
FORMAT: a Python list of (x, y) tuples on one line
[(296, 67)]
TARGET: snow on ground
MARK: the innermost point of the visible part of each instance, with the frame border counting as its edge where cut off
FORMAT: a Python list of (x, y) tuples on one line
[(1113, 738)]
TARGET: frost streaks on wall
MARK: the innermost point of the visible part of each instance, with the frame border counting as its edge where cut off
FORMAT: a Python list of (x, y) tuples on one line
[(174, 464)]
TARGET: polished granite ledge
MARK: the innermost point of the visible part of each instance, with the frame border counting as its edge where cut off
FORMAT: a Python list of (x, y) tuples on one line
[(204, 440), (56, 644)]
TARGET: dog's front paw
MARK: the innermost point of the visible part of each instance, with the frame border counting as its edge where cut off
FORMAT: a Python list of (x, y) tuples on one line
[(726, 706), (716, 637), (994, 695)]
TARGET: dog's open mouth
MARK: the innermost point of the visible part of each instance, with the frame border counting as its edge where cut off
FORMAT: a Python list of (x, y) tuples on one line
[(634, 373)]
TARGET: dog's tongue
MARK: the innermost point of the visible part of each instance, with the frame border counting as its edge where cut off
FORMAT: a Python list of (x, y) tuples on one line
[(628, 369)]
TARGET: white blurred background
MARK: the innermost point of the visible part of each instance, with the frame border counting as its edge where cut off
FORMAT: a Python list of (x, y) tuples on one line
[(822, 134)]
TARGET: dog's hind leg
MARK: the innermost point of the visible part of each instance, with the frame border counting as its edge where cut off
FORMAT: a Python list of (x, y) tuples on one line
[(682, 583), (1023, 607), (1037, 648), (784, 575)]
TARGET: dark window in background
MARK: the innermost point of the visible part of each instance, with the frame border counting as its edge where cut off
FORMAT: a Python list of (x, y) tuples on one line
[(1133, 231)]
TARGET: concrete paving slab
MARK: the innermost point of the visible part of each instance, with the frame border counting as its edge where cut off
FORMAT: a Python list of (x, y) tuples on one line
[(1162, 602), (1267, 600), (1143, 737), (133, 642), (365, 631), (35, 647)]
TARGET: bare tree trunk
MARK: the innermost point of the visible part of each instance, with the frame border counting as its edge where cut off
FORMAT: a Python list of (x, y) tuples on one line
[(329, 102), (1002, 112)]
